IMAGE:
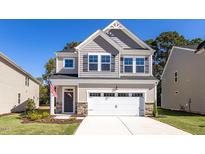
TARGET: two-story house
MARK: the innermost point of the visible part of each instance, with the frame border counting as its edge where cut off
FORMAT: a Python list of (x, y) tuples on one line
[(109, 73)]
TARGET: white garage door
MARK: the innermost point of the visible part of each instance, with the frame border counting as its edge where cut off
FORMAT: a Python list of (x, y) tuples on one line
[(115, 103)]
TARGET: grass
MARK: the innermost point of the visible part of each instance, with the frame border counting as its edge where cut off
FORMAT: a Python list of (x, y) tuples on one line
[(11, 125), (189, 122)]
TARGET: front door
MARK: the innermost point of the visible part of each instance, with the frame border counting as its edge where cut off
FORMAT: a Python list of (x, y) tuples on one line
[(68, 101)]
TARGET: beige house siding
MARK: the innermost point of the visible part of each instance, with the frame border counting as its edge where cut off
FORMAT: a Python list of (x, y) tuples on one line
[(12, 82), (190, 87), (83, 88), (99, 45)]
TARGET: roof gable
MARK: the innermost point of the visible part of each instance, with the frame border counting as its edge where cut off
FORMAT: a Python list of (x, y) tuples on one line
[(95, 35), (174, 48), (116, 25)]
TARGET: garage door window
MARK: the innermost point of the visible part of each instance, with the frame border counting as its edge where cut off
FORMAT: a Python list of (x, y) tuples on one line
[(123, 94), (137, 94), (95, 94), (109, 94)]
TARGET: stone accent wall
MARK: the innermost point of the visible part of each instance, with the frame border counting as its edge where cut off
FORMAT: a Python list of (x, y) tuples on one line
[(58, 107), (82, 109), (149, 109)]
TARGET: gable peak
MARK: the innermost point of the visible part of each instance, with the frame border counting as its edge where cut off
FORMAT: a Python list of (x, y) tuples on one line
[(114, 25)]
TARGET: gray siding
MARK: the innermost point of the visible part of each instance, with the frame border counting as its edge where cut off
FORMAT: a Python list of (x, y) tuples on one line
[(190, 85), (123, 39), (66, 71), (98, 45)]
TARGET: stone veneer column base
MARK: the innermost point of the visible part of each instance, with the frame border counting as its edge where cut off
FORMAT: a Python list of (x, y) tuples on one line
[(58, 107), (149, 109), (82, 109)]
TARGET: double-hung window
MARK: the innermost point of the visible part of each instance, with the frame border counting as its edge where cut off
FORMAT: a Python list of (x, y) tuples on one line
[(128, 65), (105, 62), (69, 63), (140, 65), (93, 62)]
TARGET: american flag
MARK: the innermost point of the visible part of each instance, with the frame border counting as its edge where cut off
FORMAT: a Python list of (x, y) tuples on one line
[(52, 89)]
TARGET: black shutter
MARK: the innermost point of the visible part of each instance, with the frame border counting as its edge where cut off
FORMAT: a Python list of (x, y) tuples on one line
[(121, 64), (146, 65), (112, 63)]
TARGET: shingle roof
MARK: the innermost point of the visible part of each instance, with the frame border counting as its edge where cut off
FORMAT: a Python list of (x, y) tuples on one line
[(75, 76)]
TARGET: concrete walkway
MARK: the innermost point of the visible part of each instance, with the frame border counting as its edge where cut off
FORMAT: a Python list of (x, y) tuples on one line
[(125, 125)]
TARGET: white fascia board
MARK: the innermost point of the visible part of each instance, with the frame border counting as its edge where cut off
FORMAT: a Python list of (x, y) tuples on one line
[(129, 33)]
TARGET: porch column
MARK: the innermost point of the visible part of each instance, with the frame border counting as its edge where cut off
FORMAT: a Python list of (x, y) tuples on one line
[(52, 104)]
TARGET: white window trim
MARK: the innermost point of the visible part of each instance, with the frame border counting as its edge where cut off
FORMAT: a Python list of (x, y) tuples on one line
[(69, 59), (134, 65), (128, 65), (139, 65), (99, 61), (105, 63)]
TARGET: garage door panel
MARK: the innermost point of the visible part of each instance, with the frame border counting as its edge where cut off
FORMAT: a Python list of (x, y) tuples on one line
[(116, 105)]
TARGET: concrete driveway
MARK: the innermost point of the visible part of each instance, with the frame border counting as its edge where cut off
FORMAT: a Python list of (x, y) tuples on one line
[(125, 125)]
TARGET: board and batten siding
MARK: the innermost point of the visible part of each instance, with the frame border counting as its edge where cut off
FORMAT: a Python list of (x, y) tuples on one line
[(123, 39), (98, 45)]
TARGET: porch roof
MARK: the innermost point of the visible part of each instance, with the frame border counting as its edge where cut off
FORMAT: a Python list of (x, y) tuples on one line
[(75, 76)]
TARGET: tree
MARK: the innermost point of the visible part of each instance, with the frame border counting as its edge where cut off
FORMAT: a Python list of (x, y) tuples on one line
[(71, 45), (44, 94), (50, 67)]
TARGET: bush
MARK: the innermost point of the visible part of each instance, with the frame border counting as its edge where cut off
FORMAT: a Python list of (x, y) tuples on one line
[(155, 111), (72, 119), (45, 114), (30, 105), (35, 116)]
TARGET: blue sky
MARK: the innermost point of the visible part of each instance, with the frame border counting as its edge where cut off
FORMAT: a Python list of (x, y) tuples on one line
[(30, 43)]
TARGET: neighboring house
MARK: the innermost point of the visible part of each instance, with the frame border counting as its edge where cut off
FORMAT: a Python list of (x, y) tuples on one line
[(110, 73), (201, 48), (183, 86), (16, 86)]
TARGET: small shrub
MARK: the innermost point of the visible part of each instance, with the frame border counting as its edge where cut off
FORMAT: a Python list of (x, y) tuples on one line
[(72, 118), (45, 114), (35, 116), (30, 105)]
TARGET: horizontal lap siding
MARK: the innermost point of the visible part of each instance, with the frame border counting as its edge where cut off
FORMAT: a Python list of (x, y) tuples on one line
[(97, 47), (67, 71)]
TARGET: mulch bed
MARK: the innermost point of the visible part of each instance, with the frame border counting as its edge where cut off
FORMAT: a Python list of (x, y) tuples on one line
[(51, 120)]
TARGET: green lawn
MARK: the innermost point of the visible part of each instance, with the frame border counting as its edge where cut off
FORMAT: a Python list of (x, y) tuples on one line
[(189, 122), (11, 125)]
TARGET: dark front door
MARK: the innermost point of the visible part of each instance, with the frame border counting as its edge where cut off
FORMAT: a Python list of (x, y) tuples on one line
[(68, 101)]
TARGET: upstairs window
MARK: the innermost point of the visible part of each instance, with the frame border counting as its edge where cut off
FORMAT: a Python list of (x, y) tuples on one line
[(93, 62), (105, 63), (69, 63), (140, 65), (27, 81), (176, 77), (128, 65), (19, 98)]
